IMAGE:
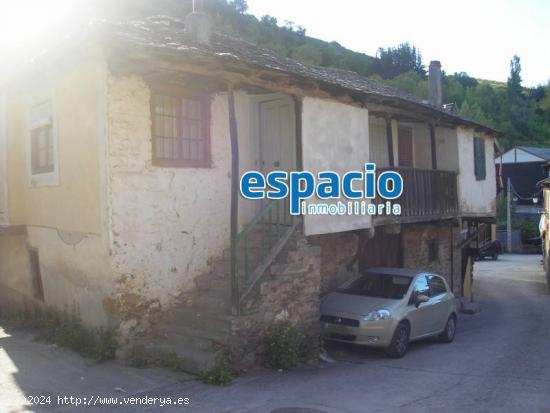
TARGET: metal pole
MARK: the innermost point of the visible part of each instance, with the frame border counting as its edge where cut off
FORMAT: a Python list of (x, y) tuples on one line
[(508, 216)]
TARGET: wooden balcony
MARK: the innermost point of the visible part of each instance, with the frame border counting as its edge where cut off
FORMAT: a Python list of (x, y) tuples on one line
[(428, 195)]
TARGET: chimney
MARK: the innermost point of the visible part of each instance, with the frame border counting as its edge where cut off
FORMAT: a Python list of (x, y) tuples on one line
[(434, 79), (197, 25)]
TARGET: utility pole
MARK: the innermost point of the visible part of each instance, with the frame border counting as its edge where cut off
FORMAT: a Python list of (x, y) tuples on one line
[(508, 216)]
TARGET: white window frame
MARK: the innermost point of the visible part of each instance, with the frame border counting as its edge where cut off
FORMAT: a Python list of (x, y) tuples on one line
[(37, 96)]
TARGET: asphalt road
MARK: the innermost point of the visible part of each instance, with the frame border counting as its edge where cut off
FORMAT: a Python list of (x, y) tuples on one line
[(499, 362)]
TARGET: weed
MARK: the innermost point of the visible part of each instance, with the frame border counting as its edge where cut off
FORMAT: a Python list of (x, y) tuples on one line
[(65, 329), (282, 345), (172, 361), (219, 375)]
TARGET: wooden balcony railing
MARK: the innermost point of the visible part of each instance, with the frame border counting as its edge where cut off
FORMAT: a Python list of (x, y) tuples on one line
[(427, 195)]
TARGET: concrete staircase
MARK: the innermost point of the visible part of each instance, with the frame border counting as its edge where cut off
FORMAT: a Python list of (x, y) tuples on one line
[(198, 327)]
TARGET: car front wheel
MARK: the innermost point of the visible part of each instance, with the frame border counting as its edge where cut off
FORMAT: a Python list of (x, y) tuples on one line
[(399, 342), (448, 334)]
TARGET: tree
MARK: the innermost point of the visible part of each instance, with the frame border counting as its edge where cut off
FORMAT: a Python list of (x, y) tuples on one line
[(394, 61), (240, 6), (269, 20)]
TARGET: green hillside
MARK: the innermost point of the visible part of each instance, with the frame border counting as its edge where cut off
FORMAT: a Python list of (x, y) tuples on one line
[(522, 114)]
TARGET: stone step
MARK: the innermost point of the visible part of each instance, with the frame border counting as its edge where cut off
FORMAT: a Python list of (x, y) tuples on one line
[(193, 360), (188, 337), (212, 299), (196, 317), (220, 267), (213, 282)]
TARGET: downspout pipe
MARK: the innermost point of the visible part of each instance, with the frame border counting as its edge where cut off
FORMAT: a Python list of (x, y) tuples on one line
[(234, 214)]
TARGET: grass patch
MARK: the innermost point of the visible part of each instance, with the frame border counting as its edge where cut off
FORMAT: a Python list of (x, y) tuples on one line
[(65, 329), (172, 361)]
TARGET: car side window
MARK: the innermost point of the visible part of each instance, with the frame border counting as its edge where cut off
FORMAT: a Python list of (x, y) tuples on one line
[(420, 287), (437, 285)]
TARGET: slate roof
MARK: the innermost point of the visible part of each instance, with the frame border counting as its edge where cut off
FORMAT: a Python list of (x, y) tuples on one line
[(543, 153), (168, 33)]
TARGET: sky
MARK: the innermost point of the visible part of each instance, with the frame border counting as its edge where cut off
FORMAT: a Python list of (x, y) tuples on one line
[(478, 37)]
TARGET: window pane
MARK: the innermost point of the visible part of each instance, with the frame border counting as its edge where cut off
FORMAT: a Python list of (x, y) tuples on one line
[(191, 108), (42, 149), (166, 127), (372, 284), (479, 158), (178, 132), (421, 286), (437, 286)]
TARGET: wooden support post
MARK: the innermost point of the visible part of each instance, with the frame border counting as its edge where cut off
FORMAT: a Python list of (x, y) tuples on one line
[(508, 216), (468, 293), (389, 139), (298, 131), (433, 146), (234, 214)]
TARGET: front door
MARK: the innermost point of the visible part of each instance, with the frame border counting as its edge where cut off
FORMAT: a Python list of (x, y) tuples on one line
[(277, 135), (404, 146)]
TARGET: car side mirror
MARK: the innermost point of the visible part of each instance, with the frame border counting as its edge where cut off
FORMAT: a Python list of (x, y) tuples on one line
[(421, 298)]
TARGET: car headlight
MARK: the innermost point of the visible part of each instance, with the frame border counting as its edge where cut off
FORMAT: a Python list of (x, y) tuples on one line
[(377, 315)]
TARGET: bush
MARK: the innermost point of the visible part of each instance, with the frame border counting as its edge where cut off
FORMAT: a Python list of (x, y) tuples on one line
[(283, 345), (529, 229), (220, 375), (172, 361), (66, 330)]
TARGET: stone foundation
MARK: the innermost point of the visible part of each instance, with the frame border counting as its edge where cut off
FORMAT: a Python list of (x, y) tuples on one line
[(416, 239), (337, 252), (288, 291)]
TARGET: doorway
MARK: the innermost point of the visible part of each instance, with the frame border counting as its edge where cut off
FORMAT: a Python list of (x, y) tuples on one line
[(404, 146)]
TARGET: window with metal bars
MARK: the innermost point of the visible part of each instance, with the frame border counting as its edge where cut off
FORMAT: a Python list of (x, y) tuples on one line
[(181, 130)]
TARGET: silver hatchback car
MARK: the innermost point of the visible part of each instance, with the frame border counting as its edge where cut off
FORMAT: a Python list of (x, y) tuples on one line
[(389, 307)]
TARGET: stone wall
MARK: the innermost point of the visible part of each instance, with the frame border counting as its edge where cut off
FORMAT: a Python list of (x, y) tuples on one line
[(415, 241), (337, 251), (288, 291)]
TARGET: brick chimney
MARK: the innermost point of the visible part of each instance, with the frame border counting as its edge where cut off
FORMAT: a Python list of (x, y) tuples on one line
[(198, 26), (434, 80)]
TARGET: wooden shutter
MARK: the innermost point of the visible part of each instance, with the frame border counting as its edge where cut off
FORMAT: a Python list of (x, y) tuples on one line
[(479, 159)]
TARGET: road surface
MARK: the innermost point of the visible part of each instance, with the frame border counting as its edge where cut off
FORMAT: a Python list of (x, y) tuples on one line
[(499, 362)]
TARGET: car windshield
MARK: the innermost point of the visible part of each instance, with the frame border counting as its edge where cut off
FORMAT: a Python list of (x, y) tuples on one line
[(380, 285)]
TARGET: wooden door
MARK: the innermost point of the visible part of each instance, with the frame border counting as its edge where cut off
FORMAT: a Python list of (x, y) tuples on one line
[(277, 141), (404, 146), (384, 250), (277, 135)]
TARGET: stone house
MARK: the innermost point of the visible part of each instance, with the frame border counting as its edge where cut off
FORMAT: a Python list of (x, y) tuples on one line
[(120, 157)]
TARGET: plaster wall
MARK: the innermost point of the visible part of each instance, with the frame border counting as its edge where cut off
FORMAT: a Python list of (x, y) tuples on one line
[(422, 146), (475, 197), (378, 142), (167, 224), (446, 149), (335, 137), (64, 221), (74, 203)]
